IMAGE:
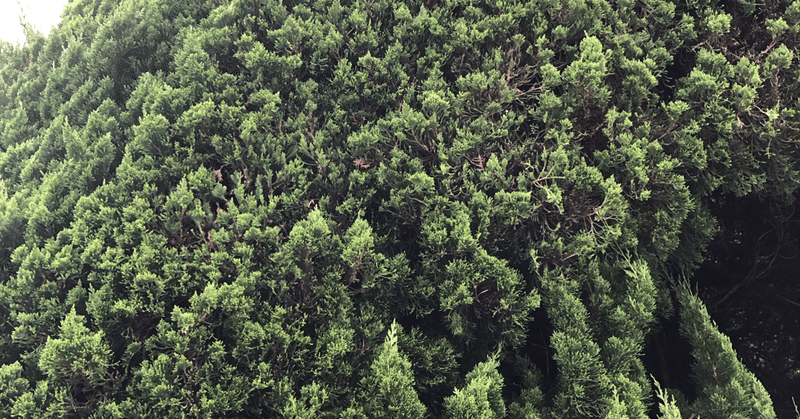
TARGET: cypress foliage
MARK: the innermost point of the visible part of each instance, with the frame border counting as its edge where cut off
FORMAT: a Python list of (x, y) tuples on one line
[(724, 386), (481, 397), (389, 389), (374, 208)]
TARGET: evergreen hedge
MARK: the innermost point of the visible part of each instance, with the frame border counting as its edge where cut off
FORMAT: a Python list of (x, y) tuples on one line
[(381, 209)]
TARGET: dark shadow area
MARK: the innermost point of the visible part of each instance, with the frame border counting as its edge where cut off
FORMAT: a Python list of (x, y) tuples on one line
[(682, 64), (749, 283), (539, 351), (668, 358)]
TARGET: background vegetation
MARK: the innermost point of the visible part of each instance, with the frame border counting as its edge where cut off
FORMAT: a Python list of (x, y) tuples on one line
[(369, 209)]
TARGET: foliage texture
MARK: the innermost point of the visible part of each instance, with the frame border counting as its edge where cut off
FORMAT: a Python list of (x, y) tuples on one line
[(380, 209)]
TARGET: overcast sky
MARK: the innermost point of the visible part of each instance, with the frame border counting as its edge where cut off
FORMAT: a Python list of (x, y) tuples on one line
[(41, 13)]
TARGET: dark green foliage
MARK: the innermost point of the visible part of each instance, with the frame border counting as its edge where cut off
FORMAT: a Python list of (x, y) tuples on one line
[(481, 397), (725, 387), (373, 209)]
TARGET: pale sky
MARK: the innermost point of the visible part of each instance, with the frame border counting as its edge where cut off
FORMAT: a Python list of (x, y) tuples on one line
[(41, 13)]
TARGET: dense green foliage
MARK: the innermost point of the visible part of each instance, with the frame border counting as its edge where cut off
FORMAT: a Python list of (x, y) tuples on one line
[(375, 209)]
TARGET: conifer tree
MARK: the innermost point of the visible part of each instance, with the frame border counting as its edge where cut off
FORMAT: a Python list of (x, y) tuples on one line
[(389, 388), (724, 386), (214, 208), (481, 397)]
